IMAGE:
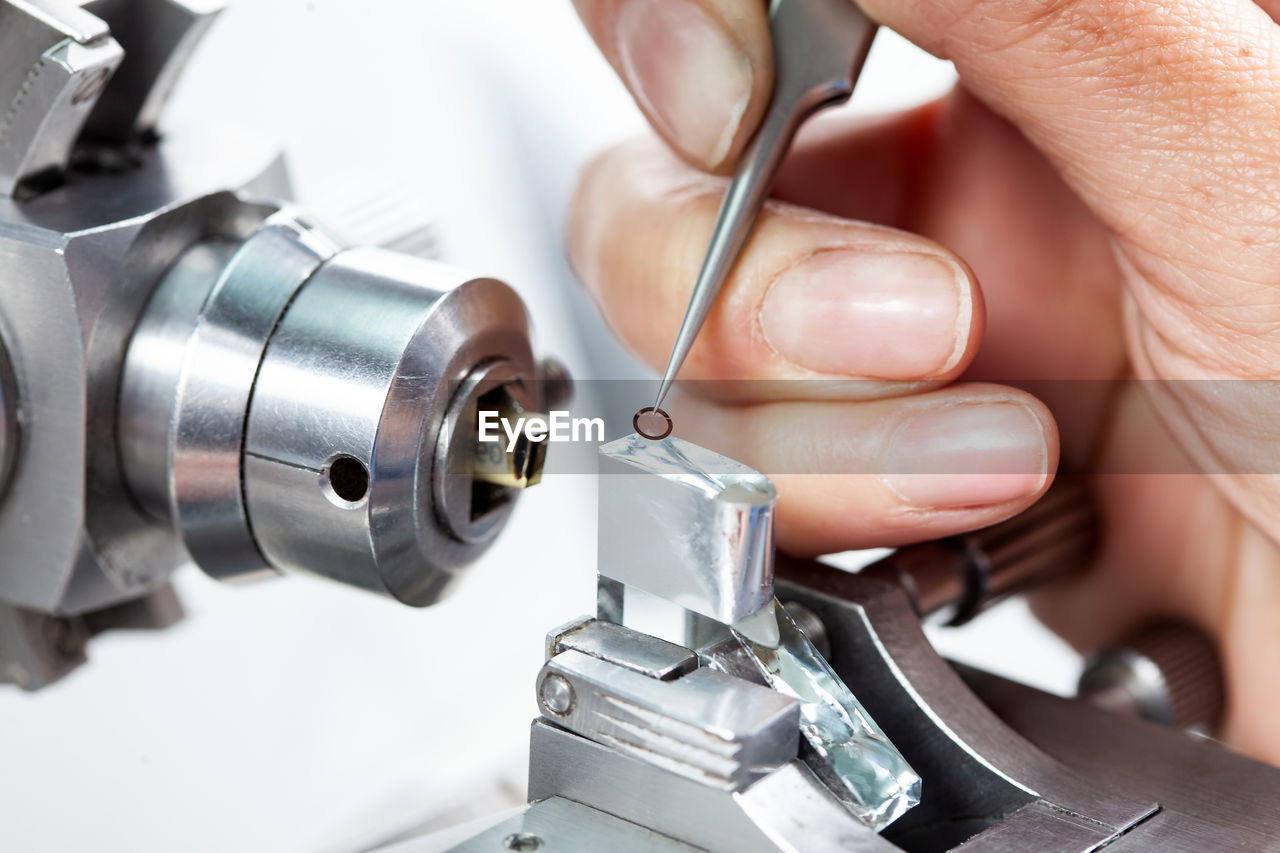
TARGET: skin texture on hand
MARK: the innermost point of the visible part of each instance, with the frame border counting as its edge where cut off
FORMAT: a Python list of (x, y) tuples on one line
[(1099, 201)]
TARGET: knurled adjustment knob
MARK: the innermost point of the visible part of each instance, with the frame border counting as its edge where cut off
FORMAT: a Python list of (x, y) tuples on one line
[(1168, 673)]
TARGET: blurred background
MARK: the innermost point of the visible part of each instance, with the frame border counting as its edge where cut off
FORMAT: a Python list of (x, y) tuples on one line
[(293, 715)]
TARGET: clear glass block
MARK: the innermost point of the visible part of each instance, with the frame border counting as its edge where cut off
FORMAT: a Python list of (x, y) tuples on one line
[(880, 785)]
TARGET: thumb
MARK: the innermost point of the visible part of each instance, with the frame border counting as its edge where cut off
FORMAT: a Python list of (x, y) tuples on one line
[(701, 70)]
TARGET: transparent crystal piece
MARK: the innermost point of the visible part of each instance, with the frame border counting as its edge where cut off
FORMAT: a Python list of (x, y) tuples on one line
[(880, 784)]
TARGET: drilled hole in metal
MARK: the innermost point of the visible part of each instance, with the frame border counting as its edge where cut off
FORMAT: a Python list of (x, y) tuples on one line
[(348, 478)]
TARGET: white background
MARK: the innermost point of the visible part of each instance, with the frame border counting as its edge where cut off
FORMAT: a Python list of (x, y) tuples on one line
[(298, 716)]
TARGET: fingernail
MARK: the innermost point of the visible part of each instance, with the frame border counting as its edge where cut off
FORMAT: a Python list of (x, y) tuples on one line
[(968, 455), (690, 77), (879, 315)]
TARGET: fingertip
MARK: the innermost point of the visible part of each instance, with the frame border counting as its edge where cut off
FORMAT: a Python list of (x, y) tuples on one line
[(980, 448), (977, 454), (971, 323), (700, 70)]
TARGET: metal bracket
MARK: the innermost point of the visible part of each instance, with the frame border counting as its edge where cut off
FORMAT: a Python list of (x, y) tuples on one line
[(55, 61), (106, 69), (704, 725)]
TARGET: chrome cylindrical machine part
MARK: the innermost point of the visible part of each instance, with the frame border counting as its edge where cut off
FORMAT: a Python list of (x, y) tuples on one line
[(284, 404), (153, 377), (361, 374), (189, 375)]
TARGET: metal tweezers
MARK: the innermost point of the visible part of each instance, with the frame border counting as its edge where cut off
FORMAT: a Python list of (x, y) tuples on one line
[(819, 47)]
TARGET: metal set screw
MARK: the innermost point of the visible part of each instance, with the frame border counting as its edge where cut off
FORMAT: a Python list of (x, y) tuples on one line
[(556, 695)]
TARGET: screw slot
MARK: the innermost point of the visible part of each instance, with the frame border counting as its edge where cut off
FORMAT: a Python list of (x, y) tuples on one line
[(346, 480), (522, 841)]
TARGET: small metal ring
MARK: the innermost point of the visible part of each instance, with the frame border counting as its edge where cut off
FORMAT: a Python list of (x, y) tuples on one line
[(652, 436)]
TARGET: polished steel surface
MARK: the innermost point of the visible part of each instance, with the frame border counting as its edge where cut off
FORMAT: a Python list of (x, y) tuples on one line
[(189, 375), (556, 695), (258, 366), (686, 524), (55, 60), (985, 787), (555, 825), (707, 726), (1125, 681), (153, 291), (819, 47), (1006, 769), (610, 600), (158, 37), (634, 650), (153, 370), (1210, 797), (1200, 796), (787, 810), (79, 259), (71, 299), (135, 552), (366, 364)]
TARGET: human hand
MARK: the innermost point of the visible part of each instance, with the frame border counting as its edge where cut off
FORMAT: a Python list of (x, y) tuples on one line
[(1110, 172)]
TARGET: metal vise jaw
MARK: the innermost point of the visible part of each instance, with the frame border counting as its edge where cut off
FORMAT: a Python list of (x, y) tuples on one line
[(641, 746), (711, 747), (633, 727), (682, 744)]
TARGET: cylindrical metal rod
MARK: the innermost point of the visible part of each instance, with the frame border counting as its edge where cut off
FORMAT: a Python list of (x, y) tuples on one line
[(953, 579)]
